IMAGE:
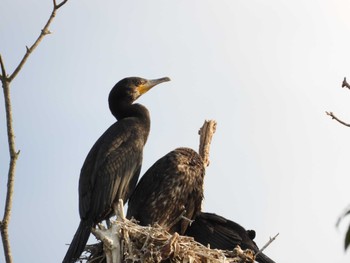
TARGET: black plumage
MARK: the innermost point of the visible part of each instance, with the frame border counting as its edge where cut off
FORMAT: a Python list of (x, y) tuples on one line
[(221, 233), (112, 167), (170, 192)]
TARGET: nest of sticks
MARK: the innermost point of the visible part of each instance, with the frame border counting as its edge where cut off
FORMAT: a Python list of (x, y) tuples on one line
[(126, 241)]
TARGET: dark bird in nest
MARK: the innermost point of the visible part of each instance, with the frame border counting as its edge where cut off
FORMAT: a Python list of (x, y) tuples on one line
[(170, 193), (221, 233), (112, 167)]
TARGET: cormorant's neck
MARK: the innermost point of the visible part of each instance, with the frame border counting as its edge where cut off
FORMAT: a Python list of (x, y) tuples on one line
[(125, 110), (138, 111)]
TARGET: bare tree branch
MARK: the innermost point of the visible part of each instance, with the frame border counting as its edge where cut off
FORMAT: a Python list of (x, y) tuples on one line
[(6, 80), (11, 173), (206, 134), (345, 84), (45, 31), (329, 113)]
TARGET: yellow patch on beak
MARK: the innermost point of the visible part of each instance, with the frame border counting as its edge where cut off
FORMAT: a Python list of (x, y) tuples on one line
[(143, 88)]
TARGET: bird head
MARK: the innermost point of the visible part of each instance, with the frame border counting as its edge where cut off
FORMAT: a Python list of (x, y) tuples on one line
[(130, 89), (126, 91)]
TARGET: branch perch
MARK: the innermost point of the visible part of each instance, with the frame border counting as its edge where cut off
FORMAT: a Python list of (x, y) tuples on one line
[(111, 242)]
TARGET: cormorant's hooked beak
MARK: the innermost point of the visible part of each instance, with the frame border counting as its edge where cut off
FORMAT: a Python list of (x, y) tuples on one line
[(143, 88)]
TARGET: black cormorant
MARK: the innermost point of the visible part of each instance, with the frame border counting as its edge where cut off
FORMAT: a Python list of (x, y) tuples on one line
[(170, 193), (221, 233), (112, 167)]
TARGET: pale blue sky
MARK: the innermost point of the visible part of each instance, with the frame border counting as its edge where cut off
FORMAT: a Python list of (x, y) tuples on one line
[(264, 70)]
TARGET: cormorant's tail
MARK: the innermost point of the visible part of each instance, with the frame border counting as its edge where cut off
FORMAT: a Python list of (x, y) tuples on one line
[(262, 258), (79, 241)]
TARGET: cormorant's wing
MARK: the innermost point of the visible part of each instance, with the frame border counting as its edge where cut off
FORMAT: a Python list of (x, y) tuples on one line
[(225, 234), (151, 182), (214, 230), (111, 168)]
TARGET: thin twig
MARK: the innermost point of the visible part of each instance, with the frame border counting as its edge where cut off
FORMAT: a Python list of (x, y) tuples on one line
[(45, 31), (3, 76), (267, 244), (180, 217), (329, 113), (345, 84), (57, 6), (206, 134)]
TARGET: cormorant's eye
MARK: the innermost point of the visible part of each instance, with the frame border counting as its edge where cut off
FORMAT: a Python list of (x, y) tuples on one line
[(138, 82)]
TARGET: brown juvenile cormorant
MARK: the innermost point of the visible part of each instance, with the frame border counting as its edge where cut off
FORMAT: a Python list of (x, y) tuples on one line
[(221, 233), (170, 192), (112, 167)]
